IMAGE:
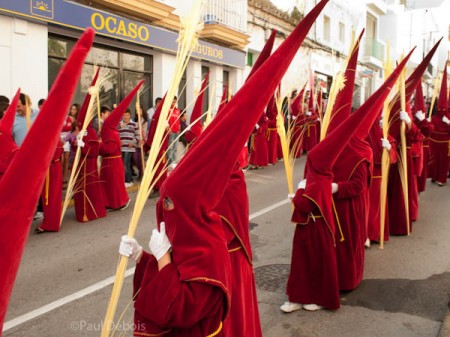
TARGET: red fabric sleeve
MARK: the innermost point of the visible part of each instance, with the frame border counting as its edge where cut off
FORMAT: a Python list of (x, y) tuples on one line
[(426, 127), (393, 157), (413, 134), (109, 148), (356, 184), (169, 302)]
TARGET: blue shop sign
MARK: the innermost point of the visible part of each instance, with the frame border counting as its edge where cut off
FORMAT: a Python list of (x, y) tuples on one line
[(73, 15)]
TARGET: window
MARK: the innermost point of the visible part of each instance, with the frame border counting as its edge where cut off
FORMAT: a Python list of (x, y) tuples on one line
[(341, 32), (205, 107), (326, 28), (123, 69), (250, 59), (181, 103)]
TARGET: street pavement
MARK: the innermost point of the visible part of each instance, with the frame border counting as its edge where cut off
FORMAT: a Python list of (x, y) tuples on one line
[(64, 281)]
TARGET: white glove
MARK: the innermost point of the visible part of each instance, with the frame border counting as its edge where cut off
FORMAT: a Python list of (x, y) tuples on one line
[(445, 120), (256, 126), (420, 115), (294, 118), (302, 184), (291, 196), (129, 247), (81, 135), (318, 119), (386, 144), (308, 113), (80, 143), (405, 117), (159, 242), (334, 188)]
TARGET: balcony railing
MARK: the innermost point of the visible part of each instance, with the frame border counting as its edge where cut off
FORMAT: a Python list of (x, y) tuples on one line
[(374, 48), (229, 13)]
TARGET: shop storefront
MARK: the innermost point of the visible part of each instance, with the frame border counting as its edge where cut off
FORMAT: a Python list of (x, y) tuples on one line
[(127, 49)]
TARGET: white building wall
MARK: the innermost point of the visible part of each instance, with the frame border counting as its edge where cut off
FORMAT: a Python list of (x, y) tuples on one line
[(23, 56)]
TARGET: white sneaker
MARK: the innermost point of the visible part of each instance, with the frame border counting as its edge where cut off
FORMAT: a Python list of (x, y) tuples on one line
[(38, 216), (367, 244), (312, 307), (290, 307), (125, 206), (129, 184)]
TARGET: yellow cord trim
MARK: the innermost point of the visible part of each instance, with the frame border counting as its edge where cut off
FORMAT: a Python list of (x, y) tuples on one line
[(152, 334), (324, 219), (234, 249), (238, 237), (215, 333), (337, 220), (112, 157)]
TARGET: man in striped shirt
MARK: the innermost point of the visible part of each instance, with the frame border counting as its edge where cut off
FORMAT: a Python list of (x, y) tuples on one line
[(129, 136)]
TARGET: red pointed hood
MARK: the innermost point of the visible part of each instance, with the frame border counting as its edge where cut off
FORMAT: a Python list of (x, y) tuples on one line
[(410, 86), (442, 104), (196, 185), (322, 158), (296, 105), (32, 161), (109, 128), (8, 146), (83, 110), (196, 125), (343, 103), (6, 123), (223, 101), (419, 102), (265, 53)]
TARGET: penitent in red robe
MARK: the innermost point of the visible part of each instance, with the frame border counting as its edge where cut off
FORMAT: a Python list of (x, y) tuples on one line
[(161, 299), (243, 319), (259, 155), (313, 277), (112, 175), (52, 202), (88, 192), (352, 172), (426, 128), (397, 213), (373, 225), (310, 130), (440, 150), (272, 140)]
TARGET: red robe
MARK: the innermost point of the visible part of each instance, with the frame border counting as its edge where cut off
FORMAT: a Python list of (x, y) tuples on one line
[(259, 155), (52, 206), (243, 319), (439, 148), (313, 277), (352, 172), (8, 149), (397, 213), (112, 175), (426, 128), (161, 299), (373, 225), (88, 192), (272, 140), (310, 132)]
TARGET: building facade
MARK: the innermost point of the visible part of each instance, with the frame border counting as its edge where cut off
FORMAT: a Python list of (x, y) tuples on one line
[(135, 40)]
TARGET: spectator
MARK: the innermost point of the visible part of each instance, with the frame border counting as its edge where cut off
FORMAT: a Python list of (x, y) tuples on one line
[(129, 137), (174, 130), (137, 157), (66, 130), (4, 103), (40, 103), (105, 111), (20, 127), (151, 111)]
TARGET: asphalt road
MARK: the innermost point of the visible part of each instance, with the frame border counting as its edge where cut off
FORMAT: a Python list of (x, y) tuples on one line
[(64, 284)]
